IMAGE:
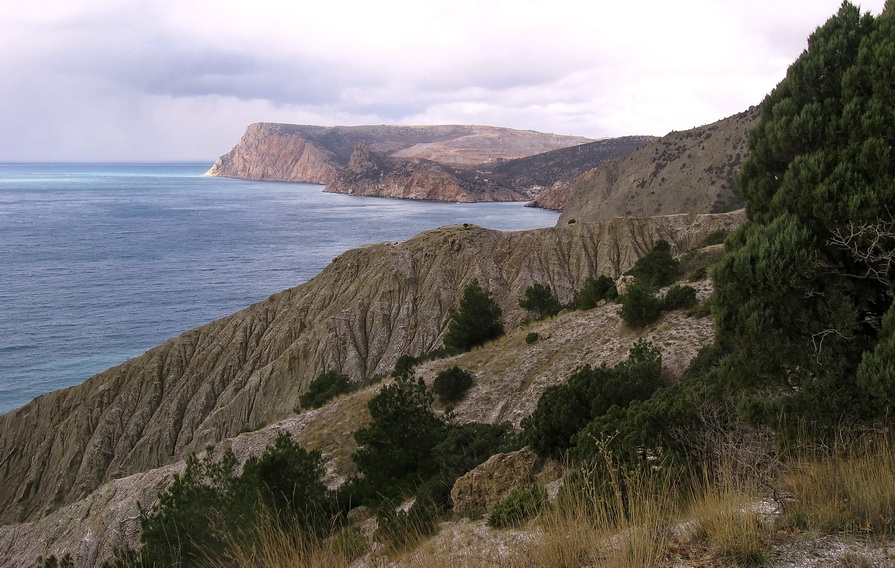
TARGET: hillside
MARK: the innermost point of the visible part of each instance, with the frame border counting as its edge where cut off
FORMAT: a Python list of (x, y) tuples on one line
[(689, 171), (446, 163), (510, 376), (367, 308)]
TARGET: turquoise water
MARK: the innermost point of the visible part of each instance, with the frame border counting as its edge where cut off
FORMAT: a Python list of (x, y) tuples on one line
[(100, 262)]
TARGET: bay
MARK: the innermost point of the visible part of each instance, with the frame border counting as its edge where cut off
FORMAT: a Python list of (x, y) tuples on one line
[(100, 262)]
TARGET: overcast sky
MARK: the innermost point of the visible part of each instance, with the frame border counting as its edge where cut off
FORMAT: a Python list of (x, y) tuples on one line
[(150, 80)]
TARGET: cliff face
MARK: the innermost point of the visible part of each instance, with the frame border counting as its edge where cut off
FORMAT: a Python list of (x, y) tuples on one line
[(272, 152), (371, 174), (414, 162), (689, 171), (361, 313)]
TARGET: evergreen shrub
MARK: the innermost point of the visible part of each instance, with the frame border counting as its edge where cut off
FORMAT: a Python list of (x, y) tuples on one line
[(450, 385)]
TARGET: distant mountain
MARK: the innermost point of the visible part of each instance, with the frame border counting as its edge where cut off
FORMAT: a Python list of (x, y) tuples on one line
[(447, 163), (683, 172)]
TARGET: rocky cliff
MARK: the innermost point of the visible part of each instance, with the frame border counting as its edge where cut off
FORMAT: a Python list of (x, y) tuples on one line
[(690, 171), (447, 163), (372, 174), (361, 313)]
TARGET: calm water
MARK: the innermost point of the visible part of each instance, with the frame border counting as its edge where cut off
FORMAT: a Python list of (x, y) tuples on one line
[(100, 262)]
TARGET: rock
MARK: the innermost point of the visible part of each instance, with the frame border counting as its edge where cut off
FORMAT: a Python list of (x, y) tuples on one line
[(413, 162), (493, 480), (684, 172)]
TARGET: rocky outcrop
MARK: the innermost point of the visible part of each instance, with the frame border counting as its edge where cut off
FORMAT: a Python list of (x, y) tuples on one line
[(314, 154), (690, 171), (273, 152), (361, 313), (482, 487), (371, 174)]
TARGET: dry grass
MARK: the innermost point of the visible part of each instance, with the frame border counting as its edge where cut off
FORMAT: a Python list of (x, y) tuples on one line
[(640, 520), (279, 547), (725, 521), (849, 486)]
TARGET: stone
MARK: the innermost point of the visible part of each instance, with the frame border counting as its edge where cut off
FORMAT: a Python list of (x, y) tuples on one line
[(479, 489)]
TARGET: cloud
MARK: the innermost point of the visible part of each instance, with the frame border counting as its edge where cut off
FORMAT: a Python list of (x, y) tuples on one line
[(154, 80)]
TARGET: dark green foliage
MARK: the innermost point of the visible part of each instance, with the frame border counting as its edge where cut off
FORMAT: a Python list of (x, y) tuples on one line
[(658, 267), (520, 505), (210, 505), (540, 299), (396, 450), (476, 321), (800, 296), (563, 410), (595, 290), (450, 385), (467, 445), (324, 388), (876, 374), (679, 297), (532, 337), (714, 238), (399, 529), (289, 483), (640, 306), (404, 365), (53, 562)]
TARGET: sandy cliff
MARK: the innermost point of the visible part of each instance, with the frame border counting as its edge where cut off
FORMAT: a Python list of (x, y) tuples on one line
[(361, 313)]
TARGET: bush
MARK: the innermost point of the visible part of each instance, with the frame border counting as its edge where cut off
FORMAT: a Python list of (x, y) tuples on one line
[(658, 267), (563, 410), (520, 505), (679, 297), (716, 237), (476, 321), (540, 299), (452, 384), (396, 450), (640, 306), (324, 388), (209, 507), (594, 290), (532, 337)]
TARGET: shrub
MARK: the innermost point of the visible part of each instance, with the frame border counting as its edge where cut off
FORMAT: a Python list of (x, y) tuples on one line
[(520, 505), (563, 410), (540, 299), (716, 237), (679, 297), (209, 506), (476, 321), (405, 364), (452, 384), (640, 306), (594, 290), (396, 450), (324, 388), (658, 267), (532, 337)]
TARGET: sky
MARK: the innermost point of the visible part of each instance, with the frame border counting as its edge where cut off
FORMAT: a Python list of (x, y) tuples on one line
[(166, 80)]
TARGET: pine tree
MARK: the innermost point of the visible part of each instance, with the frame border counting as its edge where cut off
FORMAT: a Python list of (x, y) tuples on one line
[(798, 297), (476, 321)]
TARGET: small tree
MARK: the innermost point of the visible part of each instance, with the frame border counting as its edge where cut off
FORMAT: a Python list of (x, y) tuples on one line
[(640, 306), (452, 384), (594, 290), (658, 267), (540, 299), (324, 388), (396, 450), (476, 320)]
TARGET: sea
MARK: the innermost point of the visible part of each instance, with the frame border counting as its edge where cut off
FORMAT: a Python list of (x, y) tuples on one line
[(101, 262)]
